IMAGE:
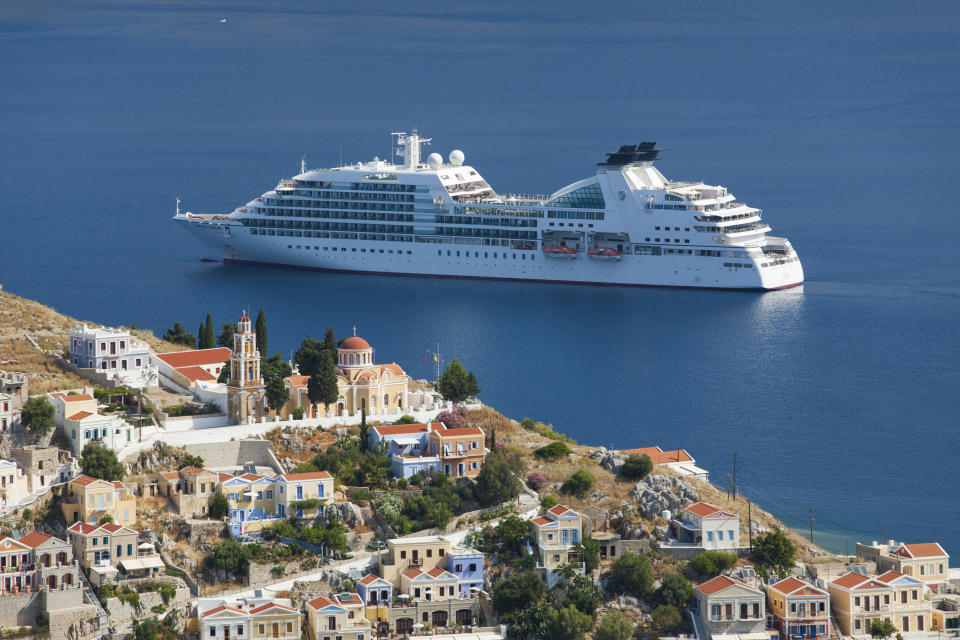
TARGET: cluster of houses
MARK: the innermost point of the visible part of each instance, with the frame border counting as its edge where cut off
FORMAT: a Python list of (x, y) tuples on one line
[(905, 588), (420, 582)]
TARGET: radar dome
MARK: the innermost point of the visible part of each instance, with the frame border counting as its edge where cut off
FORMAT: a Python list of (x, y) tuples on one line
[(456, 157), (435, 160)]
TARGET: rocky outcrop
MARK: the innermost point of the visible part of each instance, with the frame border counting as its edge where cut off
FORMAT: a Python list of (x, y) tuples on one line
[(609, 460), (659, 492), (348, 513)]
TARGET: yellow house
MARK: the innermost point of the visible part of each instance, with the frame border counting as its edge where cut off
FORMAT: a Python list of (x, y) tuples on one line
[(303, 495), (248, 619), (425, 553), (857, 600), (191, 489), (433, 584), (337, 617), (556, 534), (88, 499), (925, 561)]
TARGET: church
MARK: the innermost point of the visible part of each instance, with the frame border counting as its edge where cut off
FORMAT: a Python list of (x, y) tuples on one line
[(377, 389)]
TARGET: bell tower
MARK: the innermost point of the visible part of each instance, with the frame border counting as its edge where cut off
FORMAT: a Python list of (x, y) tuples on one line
[(245, 389)]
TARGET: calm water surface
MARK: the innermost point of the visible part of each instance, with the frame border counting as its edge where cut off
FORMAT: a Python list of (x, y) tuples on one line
[(838, 119)]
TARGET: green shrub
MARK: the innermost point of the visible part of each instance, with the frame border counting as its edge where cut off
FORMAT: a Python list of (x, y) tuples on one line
[(637, 467), (401, 483), (579, 484), (552, 451), (548, 502), (298, 413), (712, 563)]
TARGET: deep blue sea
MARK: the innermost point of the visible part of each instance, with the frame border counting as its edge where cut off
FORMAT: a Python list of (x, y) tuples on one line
[(839, 119)]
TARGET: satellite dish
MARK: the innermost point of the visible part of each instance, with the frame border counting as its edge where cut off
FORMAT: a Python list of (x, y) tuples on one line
[(456, 157), (435, 160)]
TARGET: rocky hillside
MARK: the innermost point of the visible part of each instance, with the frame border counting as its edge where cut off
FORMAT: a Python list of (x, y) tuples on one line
[(33, 334)]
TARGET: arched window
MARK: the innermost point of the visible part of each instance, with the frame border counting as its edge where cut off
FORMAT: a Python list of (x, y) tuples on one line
[(373, 401), (363, 404), (386, 400)]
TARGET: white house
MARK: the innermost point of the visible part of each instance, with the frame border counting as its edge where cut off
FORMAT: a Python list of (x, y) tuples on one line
[(112, 353), (181, 369), (707, 526)]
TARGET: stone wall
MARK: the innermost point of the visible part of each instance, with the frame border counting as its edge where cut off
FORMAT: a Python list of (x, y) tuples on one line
[(262, 574), (20, 609), (238, 452), (122, 612)]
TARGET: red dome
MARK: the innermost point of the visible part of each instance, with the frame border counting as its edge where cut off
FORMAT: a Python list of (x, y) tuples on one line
[(354, 343)]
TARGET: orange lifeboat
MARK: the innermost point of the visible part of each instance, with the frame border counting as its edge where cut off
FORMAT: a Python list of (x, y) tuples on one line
[(559, 251), (603, 253)]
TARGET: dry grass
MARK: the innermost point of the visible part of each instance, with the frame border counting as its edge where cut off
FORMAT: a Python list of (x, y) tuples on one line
[(51, 329)]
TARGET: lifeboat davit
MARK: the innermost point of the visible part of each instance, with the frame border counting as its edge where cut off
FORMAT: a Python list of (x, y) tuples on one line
[(603, 253), (559, 251)]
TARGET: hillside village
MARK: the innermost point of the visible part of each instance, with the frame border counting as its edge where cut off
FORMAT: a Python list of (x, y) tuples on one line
[(199, 487)]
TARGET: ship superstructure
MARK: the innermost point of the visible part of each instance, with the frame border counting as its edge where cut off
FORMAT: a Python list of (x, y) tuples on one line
[(625, 225)]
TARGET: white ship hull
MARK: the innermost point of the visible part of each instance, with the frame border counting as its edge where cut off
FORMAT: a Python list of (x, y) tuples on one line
[(232, 243)]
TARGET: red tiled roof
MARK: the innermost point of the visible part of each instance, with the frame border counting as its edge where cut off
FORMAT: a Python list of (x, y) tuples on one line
[(252, 477), (77, 397), (84, 480), (80, 415), (889, 576), (170, 475), (850, 580), (193, 471), (118, 485), (178, 359), (110, 527), (436, 572), (194, 373), (446, 432), (795, 587), (719, 584), (298, 381), (354, 343), (921, 550), (82, 528), (272, 605), (370, 577), (223, 477), (34, 539), (559, 510), (412, 572), (401, 429), (541, 521), (308, 475), (348, 598), (707, 510), (321, 602), (222, 607)]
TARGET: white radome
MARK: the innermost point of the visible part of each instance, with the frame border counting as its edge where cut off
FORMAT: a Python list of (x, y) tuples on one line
[(456, 157), (435, 160)]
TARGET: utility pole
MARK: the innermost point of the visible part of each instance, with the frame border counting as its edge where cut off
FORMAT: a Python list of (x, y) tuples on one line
[(846, 546), (811, 525), (750, 522), (734, 477), (884, 541), (728, 485)]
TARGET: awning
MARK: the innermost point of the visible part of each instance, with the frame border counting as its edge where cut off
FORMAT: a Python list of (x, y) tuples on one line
[(753, 635), (104, 571), (139, 564), (406, 441)]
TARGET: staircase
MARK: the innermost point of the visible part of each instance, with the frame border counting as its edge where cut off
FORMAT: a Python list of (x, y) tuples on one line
[(698, 629)]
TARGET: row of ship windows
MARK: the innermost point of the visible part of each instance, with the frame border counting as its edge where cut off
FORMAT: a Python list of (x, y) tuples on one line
[(351, 196), (576, 215), (499, 211), (776, 262), (570, 224), (357, 186), (739, 216), (740, 265), (353, 249), (677, 240), (379, 237), (685, 207), (486, 254), (675, 228), (335, 205), (502, 222)]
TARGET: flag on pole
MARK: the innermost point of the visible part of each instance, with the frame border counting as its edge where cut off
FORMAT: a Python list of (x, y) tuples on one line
[(434, 357), (425, 356)]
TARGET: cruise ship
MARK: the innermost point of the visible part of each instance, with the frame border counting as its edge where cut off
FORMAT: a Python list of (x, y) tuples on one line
[(626, 224)]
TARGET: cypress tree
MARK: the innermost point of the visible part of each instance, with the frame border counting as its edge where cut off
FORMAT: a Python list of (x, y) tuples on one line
[(201, 335), (329, 342), (209, 337), (261, 328), (326, 377)]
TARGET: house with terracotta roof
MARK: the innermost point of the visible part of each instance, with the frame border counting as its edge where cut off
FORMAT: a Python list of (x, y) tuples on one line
[(927, 561), (679, 460), (858, 600), (416, 448), (731, 610), (13, 485), (248, 619), (180, 369), (79, 416), (35, 562), (555, 535), (432, 584), (112, 354), (704, 526), (799, 609), (191, 490), (461, 450), (337, 616), (88, 499)]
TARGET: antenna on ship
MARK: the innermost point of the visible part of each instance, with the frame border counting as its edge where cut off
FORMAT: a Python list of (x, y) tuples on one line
[(178, 205), (303, 163)]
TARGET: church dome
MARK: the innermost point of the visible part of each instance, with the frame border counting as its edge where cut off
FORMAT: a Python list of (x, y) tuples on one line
[(354, 343)]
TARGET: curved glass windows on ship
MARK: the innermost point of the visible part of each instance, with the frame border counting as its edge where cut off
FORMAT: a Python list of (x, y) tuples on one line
[(586, 197)]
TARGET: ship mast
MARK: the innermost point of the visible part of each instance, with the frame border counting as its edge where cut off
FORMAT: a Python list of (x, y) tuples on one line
[(410, 147)]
